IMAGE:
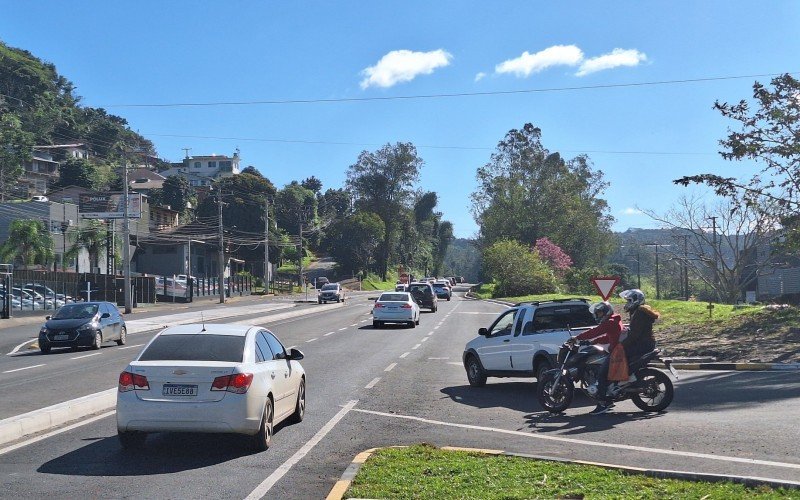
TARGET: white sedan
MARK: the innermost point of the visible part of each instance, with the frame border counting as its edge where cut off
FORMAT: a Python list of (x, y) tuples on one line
[(211, 378), (395, 307)]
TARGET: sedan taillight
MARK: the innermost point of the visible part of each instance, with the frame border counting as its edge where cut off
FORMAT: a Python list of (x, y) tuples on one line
[(378, 306), (406, 306), (237, 383), (131, 381)]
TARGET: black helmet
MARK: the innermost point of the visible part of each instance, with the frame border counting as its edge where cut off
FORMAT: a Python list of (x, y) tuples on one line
[(601, 310)]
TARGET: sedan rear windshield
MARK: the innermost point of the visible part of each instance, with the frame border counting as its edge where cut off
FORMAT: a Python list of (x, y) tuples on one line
[(197, 347), (420, 288), (393, 297)]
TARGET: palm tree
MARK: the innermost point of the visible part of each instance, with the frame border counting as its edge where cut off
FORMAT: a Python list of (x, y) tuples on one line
[(28, 242), (94, 238)]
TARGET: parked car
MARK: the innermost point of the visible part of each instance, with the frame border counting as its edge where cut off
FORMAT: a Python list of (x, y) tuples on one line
[(48, 292), (331, 292), (400, 287), (395, 307), (212, 378), (83, 324), (442, 291), (524, 340), (424, 295)]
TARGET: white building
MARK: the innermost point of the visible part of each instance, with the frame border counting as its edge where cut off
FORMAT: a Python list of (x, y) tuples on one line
[(204, 170)]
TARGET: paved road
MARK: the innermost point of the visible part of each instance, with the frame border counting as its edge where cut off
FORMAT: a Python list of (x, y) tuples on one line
[(371, 388)]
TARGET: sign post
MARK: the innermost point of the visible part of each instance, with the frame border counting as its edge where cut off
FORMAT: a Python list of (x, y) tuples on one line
[(605, 285)]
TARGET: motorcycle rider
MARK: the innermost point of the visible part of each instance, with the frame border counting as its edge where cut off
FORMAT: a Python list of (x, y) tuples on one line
[(640, 338), (607, 331)]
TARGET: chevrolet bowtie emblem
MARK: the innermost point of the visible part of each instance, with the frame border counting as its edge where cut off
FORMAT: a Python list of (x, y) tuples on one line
[(179, 372)]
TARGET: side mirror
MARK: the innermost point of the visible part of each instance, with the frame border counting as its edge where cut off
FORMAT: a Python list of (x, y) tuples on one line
[(105, 315), (484, 332), (47, 318), (295, 354)]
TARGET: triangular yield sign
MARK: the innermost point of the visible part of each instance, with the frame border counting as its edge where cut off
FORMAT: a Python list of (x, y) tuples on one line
[(605, 285)]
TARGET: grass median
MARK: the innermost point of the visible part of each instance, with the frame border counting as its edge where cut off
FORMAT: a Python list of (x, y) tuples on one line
[(423, 471)]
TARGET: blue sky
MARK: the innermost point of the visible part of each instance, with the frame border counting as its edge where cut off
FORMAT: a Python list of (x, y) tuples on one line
[(149, 52)]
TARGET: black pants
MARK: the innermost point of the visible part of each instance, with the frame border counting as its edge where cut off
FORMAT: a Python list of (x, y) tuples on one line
[(602, 380)]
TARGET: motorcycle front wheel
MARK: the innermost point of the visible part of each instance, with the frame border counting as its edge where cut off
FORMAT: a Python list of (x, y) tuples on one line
[(657, 390), (553, 397)]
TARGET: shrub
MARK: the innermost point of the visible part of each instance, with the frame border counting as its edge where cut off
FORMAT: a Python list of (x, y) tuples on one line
[(516, 270)]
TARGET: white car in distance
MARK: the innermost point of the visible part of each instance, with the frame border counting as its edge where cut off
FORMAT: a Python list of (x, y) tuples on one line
[(395, 307), (211, 378)]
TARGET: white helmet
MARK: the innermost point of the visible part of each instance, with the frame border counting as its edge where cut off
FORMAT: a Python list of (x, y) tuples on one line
[(601, 311), (633, 299)]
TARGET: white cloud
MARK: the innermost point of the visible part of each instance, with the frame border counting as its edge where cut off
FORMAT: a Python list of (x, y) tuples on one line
[(403, 66), (631, 211), (557, 55), (614, 59), (480, 76)]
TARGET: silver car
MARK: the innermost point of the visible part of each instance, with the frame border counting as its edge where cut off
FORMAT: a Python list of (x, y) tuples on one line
[(395, 307)]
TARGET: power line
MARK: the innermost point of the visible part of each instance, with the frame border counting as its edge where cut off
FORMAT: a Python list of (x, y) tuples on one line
[(441, 95)]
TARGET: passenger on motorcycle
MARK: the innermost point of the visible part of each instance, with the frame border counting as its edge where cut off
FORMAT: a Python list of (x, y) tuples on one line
[(607, 331), (640, 339)]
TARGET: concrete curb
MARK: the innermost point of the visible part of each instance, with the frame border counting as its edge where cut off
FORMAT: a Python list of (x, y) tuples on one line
[(44, 419), (738, 366), (342, 485)]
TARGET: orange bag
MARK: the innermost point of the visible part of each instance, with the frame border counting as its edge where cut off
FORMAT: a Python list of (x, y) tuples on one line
[(618, 366)]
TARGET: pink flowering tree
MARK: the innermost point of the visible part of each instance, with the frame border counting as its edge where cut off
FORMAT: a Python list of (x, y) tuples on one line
[(552, 254)]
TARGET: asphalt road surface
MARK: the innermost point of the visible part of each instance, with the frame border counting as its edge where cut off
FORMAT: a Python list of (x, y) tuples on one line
[(370, 388)]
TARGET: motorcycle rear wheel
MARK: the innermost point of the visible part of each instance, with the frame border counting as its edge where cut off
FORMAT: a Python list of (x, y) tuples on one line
[(657, 390), (555, 398)]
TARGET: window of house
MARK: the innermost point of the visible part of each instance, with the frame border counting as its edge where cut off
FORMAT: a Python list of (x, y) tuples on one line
[(197, 164), (212, 164)]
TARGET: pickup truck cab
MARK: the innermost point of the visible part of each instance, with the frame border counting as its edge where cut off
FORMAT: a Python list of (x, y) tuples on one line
[(524, 340)]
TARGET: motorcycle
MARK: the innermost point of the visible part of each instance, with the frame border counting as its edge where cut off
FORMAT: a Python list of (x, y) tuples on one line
[(649, 388)]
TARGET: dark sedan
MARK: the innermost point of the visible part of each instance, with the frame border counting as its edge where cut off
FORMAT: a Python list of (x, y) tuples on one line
[(83, 324)]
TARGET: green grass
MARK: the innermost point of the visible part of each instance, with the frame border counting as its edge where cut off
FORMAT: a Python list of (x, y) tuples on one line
[(291, 267), (423, 471)]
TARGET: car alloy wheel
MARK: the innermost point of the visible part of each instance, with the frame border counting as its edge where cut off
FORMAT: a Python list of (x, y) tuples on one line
[(123, 336), (475, 374), (263, 437), (300, 407), (98, 341)]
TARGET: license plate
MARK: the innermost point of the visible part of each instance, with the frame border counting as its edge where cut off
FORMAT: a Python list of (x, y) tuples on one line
[(60, 337), (179, 390)]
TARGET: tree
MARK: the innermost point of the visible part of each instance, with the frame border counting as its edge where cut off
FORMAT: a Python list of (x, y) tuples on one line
[(525, 192), (354, 241), (15, 150), (769, 135), (78, 172), (92, 235), (335, 203), (294, 205), (444, 236), (28, 242), (252, 171), (243, 196), (728, 257), (176, 192), (382, 182), (516, 270), (313, 184), (553, 255)]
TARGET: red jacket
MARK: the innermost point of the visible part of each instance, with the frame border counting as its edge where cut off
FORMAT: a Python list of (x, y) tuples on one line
[(607, 332)]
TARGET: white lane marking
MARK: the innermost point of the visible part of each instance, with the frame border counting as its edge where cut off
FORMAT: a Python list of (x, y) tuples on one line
[(26, 368), (372, 383), (329, 333), (431, 333), (16, 349), (588, 443), (273, 478), (341, 329), (390, 367), (404, 354), (36, 439), (436, 327), (438, 358), (354, 324), (87, 355), (311, 340), (478, 312), (456, 363), (131, 346), (424, 339), (416, 346)]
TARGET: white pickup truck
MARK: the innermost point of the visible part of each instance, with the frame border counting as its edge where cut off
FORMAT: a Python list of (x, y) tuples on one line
[(524, 341)]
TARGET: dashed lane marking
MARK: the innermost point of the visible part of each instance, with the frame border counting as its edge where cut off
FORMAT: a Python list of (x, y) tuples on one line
[(329, 333), (25, 368), (342, 329), (311, 340), (87, 355), (431, 333), (390, 367), (263, 488), (354, 324), (584, 442), (454, 363), (372, 383), (424, 339), (438, 358), (131, 346), (416, 346), (404, 354)]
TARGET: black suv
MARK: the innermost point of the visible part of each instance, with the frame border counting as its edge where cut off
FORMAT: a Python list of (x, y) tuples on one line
[(424, 295)]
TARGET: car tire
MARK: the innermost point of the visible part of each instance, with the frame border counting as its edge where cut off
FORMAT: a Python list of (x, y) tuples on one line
[(319, 301), (448, 299), (98, 341), (123, 336), (412, 324), (300, 406), (338, 300), (263, 437), (417, 322), (131, 440), (475, 373), (45, 348), (541, 368)]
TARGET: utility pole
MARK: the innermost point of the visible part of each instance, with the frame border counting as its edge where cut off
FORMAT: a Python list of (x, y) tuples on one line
[(266, 245), (126, 258), (221, 256), (186, 151), (300, 255), (714, 244)]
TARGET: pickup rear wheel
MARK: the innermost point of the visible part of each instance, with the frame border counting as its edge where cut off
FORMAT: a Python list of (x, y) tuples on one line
[(475, 373), (542, 366)]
